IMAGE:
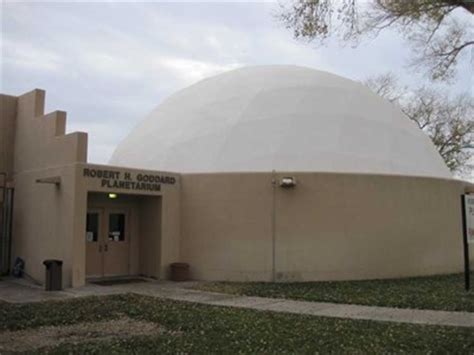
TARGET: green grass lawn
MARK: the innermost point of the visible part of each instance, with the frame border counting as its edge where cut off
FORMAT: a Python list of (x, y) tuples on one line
[(444, 292), (195, 328)]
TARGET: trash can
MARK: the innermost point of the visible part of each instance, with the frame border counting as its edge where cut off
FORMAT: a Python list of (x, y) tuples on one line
[(53, 275), (179, 272)]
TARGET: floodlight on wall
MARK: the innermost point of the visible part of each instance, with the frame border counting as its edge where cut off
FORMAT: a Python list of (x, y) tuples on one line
[(112, 196), (288, 182)]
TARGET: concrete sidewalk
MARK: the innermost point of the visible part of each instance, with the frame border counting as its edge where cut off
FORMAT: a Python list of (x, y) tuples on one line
[(13, 291)]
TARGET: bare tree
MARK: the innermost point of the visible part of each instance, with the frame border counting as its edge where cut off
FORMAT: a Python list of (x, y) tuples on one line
[(439, 38), (448, 121)]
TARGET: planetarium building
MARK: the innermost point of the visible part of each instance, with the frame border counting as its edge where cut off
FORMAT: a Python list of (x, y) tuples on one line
[(271, 173)]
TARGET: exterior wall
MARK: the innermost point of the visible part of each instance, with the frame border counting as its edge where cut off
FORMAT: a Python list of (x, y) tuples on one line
[(43, 215), (346, 226), (43, 220), (227, 226), (329, 227), (150, 253), (8, 105)]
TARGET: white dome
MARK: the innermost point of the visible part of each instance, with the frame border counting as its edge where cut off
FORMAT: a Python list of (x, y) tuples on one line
[(282, 118)]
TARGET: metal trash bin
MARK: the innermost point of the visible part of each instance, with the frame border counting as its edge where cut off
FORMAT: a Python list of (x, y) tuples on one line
[(54, 271), (179, 272)]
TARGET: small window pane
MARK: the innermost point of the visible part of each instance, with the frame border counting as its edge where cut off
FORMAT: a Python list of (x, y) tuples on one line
[(117, 227), (92, 227)]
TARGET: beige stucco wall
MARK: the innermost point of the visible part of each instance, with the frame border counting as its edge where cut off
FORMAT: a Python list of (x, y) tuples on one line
[(150, 252), (329, 227), (8, 106), (227, 226), (43, 221), (43, 214)]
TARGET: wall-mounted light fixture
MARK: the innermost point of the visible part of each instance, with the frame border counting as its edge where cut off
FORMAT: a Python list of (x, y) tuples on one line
[(288, 182), (112, 195)]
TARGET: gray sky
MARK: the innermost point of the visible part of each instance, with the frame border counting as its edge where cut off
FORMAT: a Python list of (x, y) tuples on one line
[(108, 64)]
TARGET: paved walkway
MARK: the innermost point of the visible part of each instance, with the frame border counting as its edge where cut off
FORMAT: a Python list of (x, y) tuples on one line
[(14, 291)]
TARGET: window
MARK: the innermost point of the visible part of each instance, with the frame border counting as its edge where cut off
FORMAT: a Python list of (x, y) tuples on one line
[(92, 227), (117, 227)]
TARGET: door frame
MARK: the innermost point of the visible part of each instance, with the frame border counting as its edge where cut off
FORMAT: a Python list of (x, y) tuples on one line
[(102, 238)]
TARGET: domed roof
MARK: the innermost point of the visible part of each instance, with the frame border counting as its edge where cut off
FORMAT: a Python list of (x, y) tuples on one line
[(282, 118)]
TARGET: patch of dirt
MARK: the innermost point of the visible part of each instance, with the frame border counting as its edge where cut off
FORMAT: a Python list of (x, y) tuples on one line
[(31, 339)]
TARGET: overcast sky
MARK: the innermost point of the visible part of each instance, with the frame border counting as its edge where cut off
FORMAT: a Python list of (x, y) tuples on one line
[(109, 64)]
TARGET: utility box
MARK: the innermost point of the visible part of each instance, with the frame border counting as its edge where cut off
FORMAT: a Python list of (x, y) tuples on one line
[(179, 272), (54, 274)]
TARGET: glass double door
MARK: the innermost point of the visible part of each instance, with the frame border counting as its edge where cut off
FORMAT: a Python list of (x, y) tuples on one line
[(107, 242)]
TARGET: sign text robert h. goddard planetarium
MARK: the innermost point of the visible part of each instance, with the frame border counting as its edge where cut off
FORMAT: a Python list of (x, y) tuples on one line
[(125, 180)]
